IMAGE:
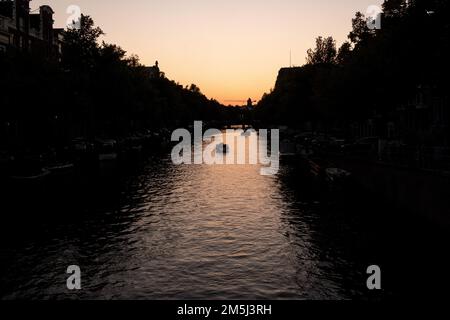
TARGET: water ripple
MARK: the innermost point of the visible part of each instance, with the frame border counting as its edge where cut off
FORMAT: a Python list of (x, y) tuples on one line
[(191, 232)]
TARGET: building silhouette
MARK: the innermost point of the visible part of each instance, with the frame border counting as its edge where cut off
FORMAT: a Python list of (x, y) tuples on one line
[(154, 72), (250, 104), (25, 31)]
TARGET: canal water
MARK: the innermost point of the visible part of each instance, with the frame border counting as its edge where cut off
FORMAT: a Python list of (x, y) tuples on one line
[(154, 230)]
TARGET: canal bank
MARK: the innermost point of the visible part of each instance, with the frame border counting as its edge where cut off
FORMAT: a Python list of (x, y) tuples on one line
[(422, 193)]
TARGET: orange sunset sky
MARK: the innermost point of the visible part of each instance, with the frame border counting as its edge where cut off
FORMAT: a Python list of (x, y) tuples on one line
[(231, 49)]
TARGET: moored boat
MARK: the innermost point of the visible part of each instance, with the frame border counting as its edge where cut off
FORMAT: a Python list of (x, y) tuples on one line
[(107, 150), (61, 168), (31, 176)]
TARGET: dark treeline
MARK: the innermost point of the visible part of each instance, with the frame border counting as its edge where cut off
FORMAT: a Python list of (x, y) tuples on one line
[(95, 90), (371, 74)]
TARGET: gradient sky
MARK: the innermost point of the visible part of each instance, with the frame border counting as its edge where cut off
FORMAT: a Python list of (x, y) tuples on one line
[(231, 49)]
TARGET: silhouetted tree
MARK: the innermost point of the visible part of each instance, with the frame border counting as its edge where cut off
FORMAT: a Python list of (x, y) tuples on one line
[(378, 71), (97, 91), (323, 53), (394, 7), (193, 88), (344, 53), (81, 45), (360, 33)]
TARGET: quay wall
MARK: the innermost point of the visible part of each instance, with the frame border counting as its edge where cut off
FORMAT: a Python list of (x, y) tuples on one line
[(423, 193)]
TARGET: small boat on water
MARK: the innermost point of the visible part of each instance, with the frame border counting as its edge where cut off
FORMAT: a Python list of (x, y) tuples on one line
[(222, 148)]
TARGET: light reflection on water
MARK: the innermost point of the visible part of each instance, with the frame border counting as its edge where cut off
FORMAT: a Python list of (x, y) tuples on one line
[(189, 232)]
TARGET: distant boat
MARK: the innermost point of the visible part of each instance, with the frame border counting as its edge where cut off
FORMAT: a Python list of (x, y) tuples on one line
[(222, 148)]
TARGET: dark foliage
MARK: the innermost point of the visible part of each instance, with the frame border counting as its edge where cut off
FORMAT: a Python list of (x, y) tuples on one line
[(95, 90), (376, 71)]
